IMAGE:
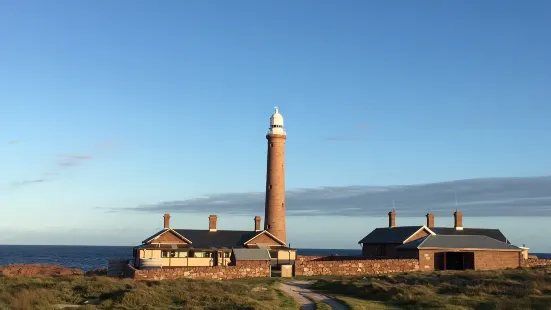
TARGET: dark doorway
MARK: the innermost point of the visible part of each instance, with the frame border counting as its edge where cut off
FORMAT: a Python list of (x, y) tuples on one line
[(454, 261)]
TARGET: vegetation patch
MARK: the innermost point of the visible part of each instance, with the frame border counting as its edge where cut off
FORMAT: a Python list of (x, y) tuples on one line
[(100, 292), (528, 288)]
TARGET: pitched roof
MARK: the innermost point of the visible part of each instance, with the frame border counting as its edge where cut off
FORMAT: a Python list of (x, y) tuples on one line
[(390, 235), (251, 254), (458, 242), (489, 232), (400, 234), (157, 234), (217, 239)]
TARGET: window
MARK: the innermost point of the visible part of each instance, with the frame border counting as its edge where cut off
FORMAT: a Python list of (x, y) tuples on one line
[(269, 187), (271, 145), (199, 254), (227, 254), (174, 254)]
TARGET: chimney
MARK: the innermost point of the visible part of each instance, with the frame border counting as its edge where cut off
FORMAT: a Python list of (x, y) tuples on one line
[(166, 218), (458, 220), (257, 223), (392, 219), (212, 222), (430, 220)]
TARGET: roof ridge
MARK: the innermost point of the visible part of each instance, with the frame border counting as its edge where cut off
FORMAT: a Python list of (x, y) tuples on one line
[(253, 231)]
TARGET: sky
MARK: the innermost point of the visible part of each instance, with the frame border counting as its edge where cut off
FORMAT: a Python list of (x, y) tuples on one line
[(110, 107)]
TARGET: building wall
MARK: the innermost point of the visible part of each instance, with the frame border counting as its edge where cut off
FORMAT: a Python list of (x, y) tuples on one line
[(304, 267), (373, 250), (283, 257), (243, 269), (483, 260)]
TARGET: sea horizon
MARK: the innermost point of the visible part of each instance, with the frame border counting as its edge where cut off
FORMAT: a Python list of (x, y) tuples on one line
[(90, 257)]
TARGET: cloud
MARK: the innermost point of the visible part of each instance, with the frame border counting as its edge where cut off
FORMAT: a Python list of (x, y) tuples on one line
[(73, 156), (476, 198), (28, 182), (70, 160), (13, 142)]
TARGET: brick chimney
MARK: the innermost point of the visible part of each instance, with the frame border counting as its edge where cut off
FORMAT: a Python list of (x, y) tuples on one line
[(392, 219), (212, 222), (257, 223), (166, 218), (430, 220), (458, 216)]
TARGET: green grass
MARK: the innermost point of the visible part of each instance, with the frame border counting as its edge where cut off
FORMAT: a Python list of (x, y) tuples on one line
[(20, 293), (506, 289)]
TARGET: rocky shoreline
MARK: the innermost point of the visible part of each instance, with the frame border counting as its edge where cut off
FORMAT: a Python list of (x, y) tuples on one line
[(31, 270)]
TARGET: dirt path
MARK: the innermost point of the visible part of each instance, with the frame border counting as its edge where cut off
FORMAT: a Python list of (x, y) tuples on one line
[(300, 291)]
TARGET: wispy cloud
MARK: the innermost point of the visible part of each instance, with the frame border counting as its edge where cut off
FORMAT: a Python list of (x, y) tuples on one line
[(478, 197), (13, 142), (28, 182), (70, 160), (76, 156)]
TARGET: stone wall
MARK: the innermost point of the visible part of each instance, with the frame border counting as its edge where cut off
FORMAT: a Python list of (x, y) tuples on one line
[(243, 269), (313, 266), (536, 262)]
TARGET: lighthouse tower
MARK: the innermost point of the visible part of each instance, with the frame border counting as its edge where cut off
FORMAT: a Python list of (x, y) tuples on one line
[(274, 220)]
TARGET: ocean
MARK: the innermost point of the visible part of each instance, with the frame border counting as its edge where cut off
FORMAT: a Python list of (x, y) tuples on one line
[(93, 257)]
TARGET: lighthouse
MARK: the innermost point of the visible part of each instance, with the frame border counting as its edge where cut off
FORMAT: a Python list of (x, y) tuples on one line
[(274, 219)]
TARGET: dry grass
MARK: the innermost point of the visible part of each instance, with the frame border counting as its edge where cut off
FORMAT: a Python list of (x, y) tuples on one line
[(42, 293), (506, 289)]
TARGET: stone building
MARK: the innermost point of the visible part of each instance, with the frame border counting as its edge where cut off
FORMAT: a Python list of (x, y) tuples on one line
[(213, 247), (440, 248)]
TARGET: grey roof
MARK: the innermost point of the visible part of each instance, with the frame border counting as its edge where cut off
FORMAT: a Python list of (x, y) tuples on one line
[(205, 239), (251, 254), (390, 235), (458, 242), (489, 232), (400, 233)]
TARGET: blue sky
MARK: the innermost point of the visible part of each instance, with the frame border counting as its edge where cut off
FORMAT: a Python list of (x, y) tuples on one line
[(113, 105)]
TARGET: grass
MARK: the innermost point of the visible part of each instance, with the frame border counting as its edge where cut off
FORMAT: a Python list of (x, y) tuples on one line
[(505, 289), (21, 293), (361, 304)]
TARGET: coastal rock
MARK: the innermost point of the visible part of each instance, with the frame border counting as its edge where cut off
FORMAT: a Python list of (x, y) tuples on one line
[(30, 270), (97, 272)]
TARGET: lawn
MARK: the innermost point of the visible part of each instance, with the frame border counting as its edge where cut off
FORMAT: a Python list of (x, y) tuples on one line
[(21, 293), (505, 289)]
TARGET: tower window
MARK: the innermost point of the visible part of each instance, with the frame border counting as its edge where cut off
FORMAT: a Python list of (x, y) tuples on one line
[(271, 145), (269, 186), (283, 205)]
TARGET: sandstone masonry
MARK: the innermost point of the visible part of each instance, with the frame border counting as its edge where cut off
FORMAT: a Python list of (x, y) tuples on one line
[(243, 269), (312, 266)]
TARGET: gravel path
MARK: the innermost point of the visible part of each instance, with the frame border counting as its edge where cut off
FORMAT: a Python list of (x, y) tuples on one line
[(300, 291)]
